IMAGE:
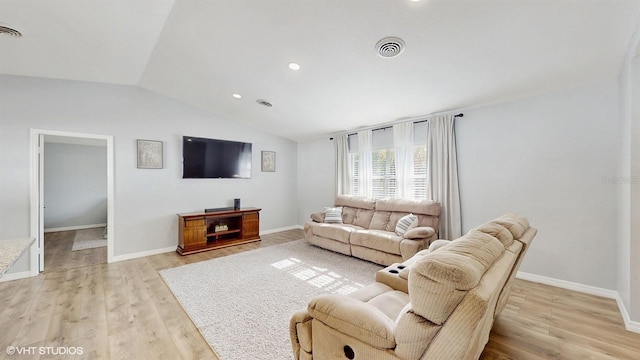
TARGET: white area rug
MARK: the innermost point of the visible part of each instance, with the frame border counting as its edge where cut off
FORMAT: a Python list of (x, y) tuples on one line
[(242, 303), (89, 239)]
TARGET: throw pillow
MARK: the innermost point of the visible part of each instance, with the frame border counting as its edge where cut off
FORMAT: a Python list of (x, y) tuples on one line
[(405, 223), (333, 215)]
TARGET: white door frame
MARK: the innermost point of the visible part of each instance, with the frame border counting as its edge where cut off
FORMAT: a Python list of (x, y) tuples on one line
[(36, 196)]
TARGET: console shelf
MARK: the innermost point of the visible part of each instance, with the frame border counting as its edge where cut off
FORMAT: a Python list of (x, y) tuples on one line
[(204, 231)]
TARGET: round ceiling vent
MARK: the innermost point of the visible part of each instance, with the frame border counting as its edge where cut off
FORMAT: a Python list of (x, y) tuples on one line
[(390, 47), (264, 102), (9, 31)]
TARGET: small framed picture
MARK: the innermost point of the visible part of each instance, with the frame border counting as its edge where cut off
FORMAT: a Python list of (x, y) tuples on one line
[(269, 161), (149, 154)]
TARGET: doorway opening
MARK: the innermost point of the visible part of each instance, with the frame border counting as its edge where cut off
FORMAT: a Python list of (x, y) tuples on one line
[(73, 200)]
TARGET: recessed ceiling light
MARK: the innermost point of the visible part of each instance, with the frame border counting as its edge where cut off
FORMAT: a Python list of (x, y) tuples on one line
[(294, 66), (237, 96)]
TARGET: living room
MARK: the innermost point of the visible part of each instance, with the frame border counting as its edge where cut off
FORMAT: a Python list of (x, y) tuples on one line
[(560, 150)]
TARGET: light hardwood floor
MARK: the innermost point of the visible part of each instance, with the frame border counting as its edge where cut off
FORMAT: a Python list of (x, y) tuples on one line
[(125, 311)]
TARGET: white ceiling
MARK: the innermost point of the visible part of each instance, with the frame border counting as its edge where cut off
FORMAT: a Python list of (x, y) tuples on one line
[(459, 54)]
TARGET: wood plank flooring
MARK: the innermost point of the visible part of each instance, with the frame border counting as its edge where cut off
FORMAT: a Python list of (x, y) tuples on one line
[(125, 311)]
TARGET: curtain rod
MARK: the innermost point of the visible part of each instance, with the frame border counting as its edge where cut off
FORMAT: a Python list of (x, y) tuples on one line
[(390, 126)]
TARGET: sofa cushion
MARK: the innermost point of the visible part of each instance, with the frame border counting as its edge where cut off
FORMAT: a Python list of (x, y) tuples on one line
[(517, 225), (426, 207), (496, 230), (333, 215), (406, 223), (414, 335), (441, 279), (339, 232), (355, 202), (377, 239), (380, 220), (348, 214), (363, 218), (394, 217)]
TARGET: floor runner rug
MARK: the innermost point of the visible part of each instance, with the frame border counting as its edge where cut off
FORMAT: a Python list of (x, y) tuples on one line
[(242, 303), (89, 239)]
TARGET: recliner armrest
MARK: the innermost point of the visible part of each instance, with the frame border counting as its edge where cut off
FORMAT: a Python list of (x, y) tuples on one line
[(300, 333), (360, 320), (317, 217), (420, 232)]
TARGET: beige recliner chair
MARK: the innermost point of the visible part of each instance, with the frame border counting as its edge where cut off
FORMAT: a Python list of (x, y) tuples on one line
[(453, 296)]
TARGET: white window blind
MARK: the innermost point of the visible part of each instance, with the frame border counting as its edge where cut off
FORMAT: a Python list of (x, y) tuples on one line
[(384, 174), (383, 165)]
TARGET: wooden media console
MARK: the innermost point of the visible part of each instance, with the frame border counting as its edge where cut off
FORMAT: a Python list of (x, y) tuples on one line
[(217, 229)]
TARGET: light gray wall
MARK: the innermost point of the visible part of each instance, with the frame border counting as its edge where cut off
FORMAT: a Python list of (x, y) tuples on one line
[(316, 176), (548, 158), (75, 185), (146, 200), (543, 157)]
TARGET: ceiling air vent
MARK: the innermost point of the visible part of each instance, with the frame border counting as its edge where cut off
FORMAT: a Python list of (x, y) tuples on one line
[(9, 31), (264, 102), (390, 47)]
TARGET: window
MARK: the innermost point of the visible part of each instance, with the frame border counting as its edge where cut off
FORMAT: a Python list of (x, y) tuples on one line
[(354, 169), (383, 175), (418, 186)]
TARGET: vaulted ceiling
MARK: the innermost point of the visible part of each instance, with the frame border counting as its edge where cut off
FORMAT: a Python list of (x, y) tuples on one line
[(459, 53)]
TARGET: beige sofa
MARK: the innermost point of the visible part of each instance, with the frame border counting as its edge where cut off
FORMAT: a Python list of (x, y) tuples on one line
[(437, 305), (368, 228)]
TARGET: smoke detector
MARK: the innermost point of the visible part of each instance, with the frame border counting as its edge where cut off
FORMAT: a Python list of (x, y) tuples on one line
[(390, 47), (9, 31)]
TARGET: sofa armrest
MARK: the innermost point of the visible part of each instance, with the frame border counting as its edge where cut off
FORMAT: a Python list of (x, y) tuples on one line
[(420, 232), (300, 333), (317, 217), (360, 320)]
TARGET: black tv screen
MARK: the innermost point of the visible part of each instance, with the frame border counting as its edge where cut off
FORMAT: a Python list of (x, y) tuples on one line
[(212, 158)]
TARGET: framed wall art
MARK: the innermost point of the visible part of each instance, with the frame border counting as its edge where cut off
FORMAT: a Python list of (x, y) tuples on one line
[(149, 154), (268, 161)]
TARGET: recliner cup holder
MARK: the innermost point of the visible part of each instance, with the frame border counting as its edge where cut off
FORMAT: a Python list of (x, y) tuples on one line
[(394, 271)]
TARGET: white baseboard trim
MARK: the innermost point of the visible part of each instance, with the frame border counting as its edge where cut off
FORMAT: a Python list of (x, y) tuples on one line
[(265, 232), (75, 227), (140, 254), (587, 289), (131, 256), (630, 325), (15, 276)]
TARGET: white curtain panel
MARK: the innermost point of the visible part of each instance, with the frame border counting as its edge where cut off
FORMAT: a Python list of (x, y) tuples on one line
[(442, 174), (403, 150), (365, 144), (343, 180)]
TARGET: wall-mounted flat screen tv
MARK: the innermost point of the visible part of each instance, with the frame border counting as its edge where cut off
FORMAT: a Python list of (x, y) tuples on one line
[(213, 158)]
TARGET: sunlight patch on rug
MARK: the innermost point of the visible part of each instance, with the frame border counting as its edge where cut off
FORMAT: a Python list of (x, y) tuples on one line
[(242, 303)]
